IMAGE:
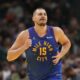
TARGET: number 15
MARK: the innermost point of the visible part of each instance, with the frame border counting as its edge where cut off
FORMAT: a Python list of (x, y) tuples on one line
[(43, 51)]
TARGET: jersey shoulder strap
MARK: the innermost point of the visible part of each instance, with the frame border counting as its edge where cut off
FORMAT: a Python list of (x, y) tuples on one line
[(31, 33), (53, 34)]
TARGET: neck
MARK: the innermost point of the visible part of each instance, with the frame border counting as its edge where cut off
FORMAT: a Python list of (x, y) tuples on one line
[(41, 30)]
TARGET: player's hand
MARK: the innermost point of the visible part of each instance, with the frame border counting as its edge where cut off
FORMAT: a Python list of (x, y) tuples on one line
[(56, 58), (28, 43)]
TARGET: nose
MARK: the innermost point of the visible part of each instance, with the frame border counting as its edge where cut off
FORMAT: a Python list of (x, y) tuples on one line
[(43, 16)]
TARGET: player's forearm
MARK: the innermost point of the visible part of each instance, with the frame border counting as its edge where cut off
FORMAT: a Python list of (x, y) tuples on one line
[(65, 48), (14, 54)]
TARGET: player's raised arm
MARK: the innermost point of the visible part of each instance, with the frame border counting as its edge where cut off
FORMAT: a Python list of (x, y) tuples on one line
[(64, 41), (21, 44)]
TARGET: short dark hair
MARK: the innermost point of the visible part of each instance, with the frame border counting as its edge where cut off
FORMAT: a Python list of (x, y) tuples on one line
[(38, 9)]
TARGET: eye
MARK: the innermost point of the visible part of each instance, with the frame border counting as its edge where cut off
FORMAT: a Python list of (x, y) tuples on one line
[(40, 14), (45, 14)]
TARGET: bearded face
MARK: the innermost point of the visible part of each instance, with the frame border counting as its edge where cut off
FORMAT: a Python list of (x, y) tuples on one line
[(40, 17)]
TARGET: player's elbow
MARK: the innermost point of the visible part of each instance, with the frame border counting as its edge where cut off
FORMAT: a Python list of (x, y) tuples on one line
[(9, 58), (69, 43)]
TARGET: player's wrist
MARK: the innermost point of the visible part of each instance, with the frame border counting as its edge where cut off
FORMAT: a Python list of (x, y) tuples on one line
[(60, 55)]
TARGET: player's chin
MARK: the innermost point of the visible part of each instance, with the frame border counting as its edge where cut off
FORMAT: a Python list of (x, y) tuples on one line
[(43, 21), (42, 24)]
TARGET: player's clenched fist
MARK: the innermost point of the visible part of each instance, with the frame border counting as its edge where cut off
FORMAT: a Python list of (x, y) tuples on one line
[(28, 43)]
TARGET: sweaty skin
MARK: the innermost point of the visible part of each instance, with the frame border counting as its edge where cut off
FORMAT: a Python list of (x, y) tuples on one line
[(23, 42), (64, 41), (20, 45)]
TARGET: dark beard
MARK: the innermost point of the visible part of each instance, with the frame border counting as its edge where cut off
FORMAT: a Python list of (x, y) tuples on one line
[(42, 24)]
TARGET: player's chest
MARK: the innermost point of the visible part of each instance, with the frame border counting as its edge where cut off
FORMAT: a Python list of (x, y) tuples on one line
[(43, 44), (42, 49)]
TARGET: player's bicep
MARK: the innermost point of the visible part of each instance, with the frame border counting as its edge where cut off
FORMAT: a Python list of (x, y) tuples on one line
[(62, 38)]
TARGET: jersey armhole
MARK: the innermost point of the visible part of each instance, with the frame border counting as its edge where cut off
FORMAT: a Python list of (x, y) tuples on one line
[(29, 30), (56, 43)]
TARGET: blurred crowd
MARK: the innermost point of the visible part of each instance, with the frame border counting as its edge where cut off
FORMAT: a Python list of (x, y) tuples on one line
[(16, 15)]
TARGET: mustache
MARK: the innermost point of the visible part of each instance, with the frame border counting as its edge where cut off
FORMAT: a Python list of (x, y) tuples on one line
[(42, 19)]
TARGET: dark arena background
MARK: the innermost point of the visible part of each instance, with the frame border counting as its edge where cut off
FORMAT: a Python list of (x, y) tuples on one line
[(16, 15)]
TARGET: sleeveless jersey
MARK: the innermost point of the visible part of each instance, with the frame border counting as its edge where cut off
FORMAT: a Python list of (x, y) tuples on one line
[(39, 55)]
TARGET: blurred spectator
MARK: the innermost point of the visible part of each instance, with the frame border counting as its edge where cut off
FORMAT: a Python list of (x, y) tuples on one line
[(14, 74), (70, 73), (23, 74), (16, 16), (21, 26), (74, 34), (15, 10), (6, 71)]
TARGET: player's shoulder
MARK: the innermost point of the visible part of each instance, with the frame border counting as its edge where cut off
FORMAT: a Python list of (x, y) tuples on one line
[(57, 30), (24, 33)]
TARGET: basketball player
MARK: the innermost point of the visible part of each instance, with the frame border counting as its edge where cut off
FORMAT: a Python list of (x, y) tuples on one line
[(40, 43)]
